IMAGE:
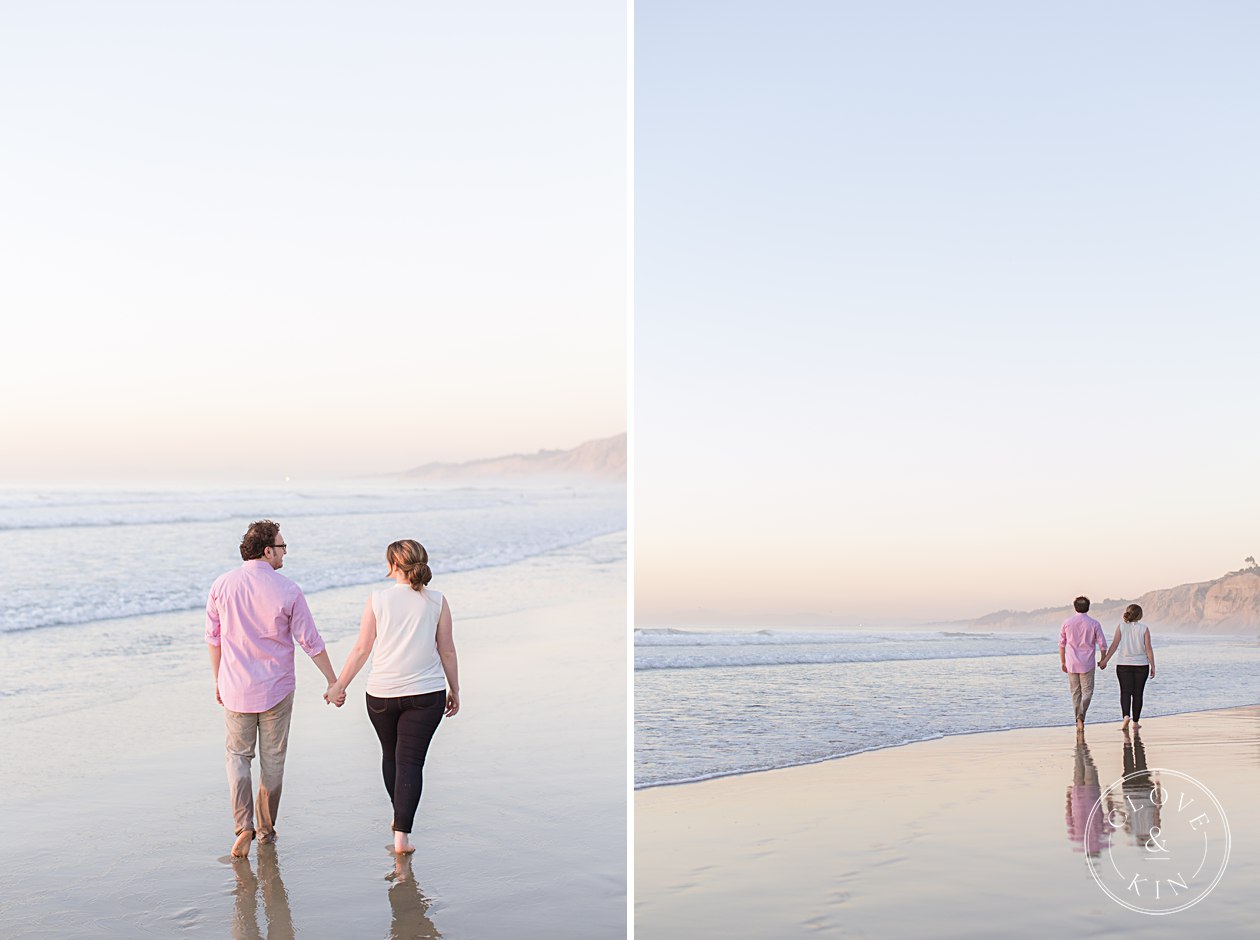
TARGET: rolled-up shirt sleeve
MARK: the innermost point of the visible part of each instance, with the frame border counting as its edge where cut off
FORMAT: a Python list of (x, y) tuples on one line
[(1063, 635), (302, 625), (212, 620)]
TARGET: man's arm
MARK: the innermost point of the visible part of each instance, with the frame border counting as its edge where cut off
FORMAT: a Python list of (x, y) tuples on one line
[(302, 625), (216, 657), (213, 640), (325, 666)]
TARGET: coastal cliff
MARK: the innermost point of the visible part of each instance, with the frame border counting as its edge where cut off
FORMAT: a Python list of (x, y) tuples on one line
[(1230, 604), (601, 460)]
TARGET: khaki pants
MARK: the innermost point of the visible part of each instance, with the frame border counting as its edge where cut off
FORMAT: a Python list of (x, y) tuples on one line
[(271, 730), (1081, 685)]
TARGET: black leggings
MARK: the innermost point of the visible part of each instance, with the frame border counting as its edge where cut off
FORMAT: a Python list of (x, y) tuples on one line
[(405, 726), (1132, 682)]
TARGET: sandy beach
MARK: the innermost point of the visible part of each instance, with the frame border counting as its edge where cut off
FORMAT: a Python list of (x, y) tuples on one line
[(968, 836), (116, 818)]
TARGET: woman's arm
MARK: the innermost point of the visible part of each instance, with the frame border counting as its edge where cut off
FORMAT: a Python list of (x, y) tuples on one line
[(1150, 653), (359, 654), (1115, 642), (450, 663)]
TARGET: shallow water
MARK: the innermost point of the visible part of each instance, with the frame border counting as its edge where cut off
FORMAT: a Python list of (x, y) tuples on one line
[(709, 704), (99, 588), (80, 556)]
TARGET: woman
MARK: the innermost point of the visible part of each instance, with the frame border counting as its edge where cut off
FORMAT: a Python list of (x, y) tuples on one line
[(414, 679), (1135, 662)]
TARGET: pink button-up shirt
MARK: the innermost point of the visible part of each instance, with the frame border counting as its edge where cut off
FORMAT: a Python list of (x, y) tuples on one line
[(1078, 637), (254, 615)]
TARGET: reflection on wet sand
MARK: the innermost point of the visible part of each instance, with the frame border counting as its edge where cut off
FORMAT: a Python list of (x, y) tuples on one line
[(1134, 810), (409, 906), (1140, 790), (1086, 834), (275, 898)]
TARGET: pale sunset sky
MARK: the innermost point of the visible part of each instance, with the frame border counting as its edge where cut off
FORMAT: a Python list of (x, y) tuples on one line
[(313, 239), (941, 308)]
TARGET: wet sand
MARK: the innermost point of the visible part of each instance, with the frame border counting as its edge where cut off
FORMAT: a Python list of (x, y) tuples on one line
[(981, 835), (116, 820)]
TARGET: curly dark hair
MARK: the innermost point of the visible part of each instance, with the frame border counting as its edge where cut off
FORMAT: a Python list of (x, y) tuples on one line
[(257, 538)]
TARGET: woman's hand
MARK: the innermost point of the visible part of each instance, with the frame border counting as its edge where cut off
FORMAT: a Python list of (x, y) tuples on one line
[(452, 704), (335, 695)]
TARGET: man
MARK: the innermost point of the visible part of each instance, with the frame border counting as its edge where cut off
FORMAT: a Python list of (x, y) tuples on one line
[(253, 617), (1077, 639)]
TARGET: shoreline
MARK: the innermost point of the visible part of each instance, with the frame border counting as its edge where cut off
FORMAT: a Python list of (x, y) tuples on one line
[(309, 594), (884, 747), (169, 646), (116, 811), (961, 836)]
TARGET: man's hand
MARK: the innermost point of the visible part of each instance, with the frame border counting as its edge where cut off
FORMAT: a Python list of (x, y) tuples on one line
[(1063, 666), (217, 697), (335, 695)]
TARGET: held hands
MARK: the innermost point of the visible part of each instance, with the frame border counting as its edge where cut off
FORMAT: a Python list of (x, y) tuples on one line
[(335, 694), (1102, 663)]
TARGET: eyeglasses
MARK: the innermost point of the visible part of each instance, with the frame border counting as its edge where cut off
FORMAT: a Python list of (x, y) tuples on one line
[(280, 546)]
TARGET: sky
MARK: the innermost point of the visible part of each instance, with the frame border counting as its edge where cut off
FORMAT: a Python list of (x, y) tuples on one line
[(309, 239), (941, 309)]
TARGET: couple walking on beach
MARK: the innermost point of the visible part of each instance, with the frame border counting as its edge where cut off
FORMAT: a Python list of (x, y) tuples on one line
[(1130, 647), (255, 616)]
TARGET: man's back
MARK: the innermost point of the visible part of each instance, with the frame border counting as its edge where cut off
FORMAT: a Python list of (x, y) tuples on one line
[(254, 615), (1078, 636)]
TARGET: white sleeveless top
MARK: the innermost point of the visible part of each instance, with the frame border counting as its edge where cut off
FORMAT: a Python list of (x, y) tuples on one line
[(1132, 651), (405, 658)]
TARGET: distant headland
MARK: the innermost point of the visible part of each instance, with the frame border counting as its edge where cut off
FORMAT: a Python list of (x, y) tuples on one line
[(601, 460), (1230, 604)]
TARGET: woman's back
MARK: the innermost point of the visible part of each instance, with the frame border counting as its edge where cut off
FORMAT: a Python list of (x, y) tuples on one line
[(1132, 651), (405, 658)]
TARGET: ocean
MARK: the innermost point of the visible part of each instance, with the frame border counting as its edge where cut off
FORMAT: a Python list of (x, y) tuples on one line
[(713, 703), (104, 587)]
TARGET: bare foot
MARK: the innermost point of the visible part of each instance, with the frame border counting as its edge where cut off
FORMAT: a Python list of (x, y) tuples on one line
[(402, 843), (240, 848), (267, 838), (1125, 726)]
